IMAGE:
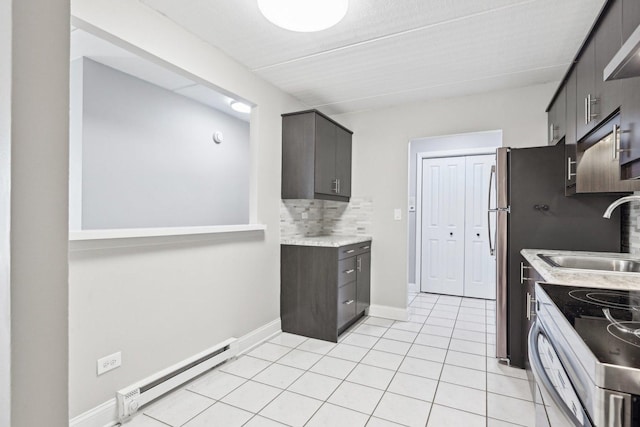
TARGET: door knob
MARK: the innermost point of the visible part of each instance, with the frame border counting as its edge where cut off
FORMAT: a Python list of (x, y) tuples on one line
[(477, 234), (451, 234)]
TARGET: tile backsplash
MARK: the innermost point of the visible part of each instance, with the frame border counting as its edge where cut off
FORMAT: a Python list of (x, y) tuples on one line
[(631, 227), (305, 218), (323, 217)]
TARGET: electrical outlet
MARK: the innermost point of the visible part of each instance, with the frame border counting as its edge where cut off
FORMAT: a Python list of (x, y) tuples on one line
[(397, 214), (109, 362)]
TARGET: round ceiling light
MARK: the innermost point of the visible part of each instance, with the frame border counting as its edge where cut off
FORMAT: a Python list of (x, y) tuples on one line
[(240, 107), (304, 15)]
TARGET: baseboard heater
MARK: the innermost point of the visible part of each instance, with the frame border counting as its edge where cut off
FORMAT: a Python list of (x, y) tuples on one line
[(131, 398)]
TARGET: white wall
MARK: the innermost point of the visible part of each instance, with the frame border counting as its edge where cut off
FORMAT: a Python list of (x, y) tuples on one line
[(149, 159), (160, 301), (38, 212), (380, 167)]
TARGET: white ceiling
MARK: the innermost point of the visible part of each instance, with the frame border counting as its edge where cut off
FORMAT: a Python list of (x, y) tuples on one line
[(84, 44), (388, 52)]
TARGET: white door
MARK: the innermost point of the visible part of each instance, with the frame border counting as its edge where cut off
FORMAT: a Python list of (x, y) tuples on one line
[(479, 264), (443, 212)]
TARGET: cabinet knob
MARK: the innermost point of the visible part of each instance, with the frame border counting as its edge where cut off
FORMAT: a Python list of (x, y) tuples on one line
[(451, 234)]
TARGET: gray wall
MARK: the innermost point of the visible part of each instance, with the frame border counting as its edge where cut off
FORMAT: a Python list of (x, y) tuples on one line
[(38, 210), (75, 144), (492, 139), (182, 295), (148, 158), (5, 212)]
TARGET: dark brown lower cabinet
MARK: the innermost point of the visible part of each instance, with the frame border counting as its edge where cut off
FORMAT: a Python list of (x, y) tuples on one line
[(324, 290)]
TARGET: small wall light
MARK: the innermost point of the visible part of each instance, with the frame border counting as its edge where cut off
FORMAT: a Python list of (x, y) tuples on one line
[(240, 107)]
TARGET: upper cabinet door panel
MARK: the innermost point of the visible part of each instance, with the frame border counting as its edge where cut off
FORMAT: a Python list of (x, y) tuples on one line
[(571, 88), (557, 118), (585, 80), (325, 162), (608, 40), (343, 161), (630, 17), (630, 110)]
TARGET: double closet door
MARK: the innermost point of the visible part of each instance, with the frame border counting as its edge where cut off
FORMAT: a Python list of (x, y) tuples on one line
[(455, 257)]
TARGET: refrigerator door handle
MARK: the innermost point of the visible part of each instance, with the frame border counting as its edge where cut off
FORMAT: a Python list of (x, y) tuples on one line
[(490, 210)]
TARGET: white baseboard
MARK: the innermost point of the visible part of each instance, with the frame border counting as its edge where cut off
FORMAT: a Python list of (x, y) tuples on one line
[(106, 414), (387, 312), (258, 336), (412, 287)]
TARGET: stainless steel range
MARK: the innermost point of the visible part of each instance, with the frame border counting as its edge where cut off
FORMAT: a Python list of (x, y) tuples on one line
[(584, 351)]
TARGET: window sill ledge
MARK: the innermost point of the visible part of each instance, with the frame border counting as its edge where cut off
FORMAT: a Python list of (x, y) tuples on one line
[(88, 240), (129, 233)]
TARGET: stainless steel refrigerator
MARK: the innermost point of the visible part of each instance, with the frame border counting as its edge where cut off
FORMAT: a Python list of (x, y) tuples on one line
[(534, 213)]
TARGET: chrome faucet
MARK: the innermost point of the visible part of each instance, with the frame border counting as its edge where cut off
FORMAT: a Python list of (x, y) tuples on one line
[(612, 206)]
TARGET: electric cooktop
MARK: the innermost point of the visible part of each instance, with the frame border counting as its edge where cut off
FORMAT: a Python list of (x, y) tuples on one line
[(607, 320)]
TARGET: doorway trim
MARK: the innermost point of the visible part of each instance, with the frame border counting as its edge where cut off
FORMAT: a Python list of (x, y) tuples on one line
[(418, 215)]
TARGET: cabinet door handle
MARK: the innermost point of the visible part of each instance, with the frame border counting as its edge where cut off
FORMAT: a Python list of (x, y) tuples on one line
[(522, 269), (615, 141), (569, 173), (359, 263), (350, 251), (530, 300), (351, 270), (349, 302), (552, 133), (590, 102), (586, 110), (338, 186), (365, 247)]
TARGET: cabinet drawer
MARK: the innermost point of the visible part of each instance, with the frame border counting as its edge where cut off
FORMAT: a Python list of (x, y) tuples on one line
[(353, 250), (346, 270), (346, 303)]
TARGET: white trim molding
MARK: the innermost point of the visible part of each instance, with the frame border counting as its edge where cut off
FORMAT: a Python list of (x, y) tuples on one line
[(386, 312), (106, 414), (256, 337), (434, 155)]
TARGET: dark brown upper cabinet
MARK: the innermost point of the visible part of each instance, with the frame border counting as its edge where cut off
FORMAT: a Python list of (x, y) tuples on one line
[(630, 17), (558, 118), (630, 111), (316, 157), (594, 106), (608, 40), (598, 100), (586, 101)]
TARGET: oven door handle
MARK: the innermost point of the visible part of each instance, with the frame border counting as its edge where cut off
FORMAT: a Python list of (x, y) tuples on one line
[(543, 380)]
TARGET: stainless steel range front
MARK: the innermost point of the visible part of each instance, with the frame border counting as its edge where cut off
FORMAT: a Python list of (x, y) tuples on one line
[(584, 352)]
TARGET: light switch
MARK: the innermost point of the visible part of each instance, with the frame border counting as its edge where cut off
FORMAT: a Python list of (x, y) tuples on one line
[(397, 214)]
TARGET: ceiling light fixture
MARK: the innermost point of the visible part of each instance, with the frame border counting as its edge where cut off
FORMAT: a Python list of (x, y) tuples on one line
[(240, 107), (304, 15)]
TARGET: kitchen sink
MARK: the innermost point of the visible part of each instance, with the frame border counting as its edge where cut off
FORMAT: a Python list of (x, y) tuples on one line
[(585, 262)]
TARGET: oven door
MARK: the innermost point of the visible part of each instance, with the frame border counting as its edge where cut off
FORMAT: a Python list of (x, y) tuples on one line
[(563, 407)]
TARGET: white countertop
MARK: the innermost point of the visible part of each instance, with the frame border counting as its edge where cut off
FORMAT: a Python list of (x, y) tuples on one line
[(333, 241), (577, 277)]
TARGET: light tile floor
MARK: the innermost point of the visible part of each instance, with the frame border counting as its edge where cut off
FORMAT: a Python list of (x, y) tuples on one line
[(435, 370)]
